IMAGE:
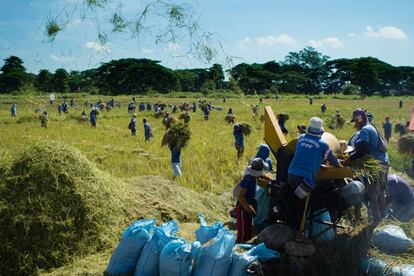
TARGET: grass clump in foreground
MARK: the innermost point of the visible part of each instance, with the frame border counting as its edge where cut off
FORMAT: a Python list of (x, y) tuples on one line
[(55, 204)]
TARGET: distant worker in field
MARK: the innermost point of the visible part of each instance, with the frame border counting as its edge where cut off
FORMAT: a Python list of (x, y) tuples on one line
[(310, 153), (224, 99), (131, 107), (93, 117), (83, 115), (369, 142), (387, 126), (111, 102), (133, 125), (13, 110), (281, 119), (59, 107), (64, 107), (323, 108), (260, 100), (149, 107), (44, 120), (238, 139), (246, 202), (166, 120), (147, 130), (187, 117), (176, 160), (400, 105), (255, 109), (72, 103), (194, 107), (206, 114), (230, 116), (311, 100), (401, 198), (301, 129)]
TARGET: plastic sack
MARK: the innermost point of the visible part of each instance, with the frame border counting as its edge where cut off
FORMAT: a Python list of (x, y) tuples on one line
[(373, 266), (126, 254), (240, 262), (353, 193), (391, 239), (215, 256), (317, 228), (148, 263), (177, 258), (207, 232), (263, 202)]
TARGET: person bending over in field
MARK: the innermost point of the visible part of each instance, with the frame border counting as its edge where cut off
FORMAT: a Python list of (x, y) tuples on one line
[(44, 120), (133, 125), (246, 202), (238, 139), (401, 198), (147, 130)]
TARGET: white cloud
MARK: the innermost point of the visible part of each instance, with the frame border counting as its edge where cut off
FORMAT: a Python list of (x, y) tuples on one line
[(60, 59), (97, 47), (148, 51), (244, 43), (173, 47), (387, 32), (332, 42), (271, 41), (351, 35)]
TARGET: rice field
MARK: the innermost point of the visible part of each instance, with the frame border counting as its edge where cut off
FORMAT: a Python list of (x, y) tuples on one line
[(209, 163)]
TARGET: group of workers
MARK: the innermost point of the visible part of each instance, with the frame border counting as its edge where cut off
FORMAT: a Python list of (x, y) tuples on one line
[(310, 153)]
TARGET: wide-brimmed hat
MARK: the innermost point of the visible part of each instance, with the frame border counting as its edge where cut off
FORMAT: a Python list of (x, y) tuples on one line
[(257, 164), (359, 115), (315, 126)]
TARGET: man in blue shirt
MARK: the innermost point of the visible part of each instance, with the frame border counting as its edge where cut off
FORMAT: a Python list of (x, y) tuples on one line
[(147, 130), (387, 128), (369, 143), (133, 125), (93, 117), (310, 153), (239, 139), (176, 160), (401, 197)]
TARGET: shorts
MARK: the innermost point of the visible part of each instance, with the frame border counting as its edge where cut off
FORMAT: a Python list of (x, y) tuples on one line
[(176, 168)]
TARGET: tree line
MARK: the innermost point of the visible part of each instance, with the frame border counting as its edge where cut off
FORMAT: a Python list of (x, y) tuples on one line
[(304, 72)]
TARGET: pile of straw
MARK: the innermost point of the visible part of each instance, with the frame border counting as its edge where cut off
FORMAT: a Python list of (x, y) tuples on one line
[(177, 136), (246, 128)]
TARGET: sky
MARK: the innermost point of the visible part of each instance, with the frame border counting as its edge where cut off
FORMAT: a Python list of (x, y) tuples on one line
[(248, 31)]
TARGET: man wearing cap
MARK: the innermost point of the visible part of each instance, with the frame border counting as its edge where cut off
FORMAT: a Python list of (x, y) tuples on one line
[(246, 202), (310, 153), (369, 143)]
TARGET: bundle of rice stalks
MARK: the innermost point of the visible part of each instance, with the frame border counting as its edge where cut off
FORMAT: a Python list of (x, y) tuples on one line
[(54, 204), (283, 116), (159, 114), (366, 166), (406, 144), (182, 116), (177, 136), (246, 128)]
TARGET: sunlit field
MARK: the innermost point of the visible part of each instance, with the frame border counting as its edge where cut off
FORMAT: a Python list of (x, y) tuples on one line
[(208, 163)]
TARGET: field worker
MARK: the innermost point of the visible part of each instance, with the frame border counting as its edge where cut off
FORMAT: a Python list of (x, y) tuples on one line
[(369, 143), (72, 103), (400, 104), (262, 198), (255, 109), (131, 107), (206, 114), (281, 119), (166, 120), (83, 115), (133, 100), (387, 128), (301, 129), (401, 197), (13, 110), (149, 107), (310, 153), (64, 107), (93, 117), (224, 99), (246, 202), (59, 107), (238, 139), (194, 107), (133, 125), (112, 102), (370, 117), (310, 100), (187, 117), (230, 116), (44, 120), (323, 108), (147, 130), (176, 160)]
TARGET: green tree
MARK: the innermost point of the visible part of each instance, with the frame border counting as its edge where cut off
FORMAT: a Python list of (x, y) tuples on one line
[(13, 76), (217, 75), (44, 81), (60, 80)]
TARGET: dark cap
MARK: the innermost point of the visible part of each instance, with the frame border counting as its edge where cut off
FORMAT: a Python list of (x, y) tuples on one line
[(258, 164), (360, 115)]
